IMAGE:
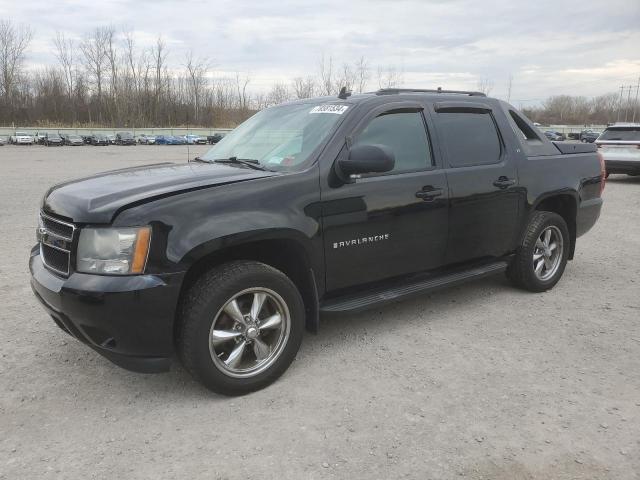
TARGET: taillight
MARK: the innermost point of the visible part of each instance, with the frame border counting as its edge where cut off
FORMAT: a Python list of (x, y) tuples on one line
[(603, 172)]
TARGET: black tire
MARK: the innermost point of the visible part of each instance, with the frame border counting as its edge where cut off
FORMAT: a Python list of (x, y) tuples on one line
[(202, 304), (521, 272)]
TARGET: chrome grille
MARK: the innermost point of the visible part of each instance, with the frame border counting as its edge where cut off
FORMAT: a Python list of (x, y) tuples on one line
[(57, 227), (56, 237)]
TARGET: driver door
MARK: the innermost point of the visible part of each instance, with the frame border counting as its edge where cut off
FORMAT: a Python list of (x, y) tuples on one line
[(391, 224)]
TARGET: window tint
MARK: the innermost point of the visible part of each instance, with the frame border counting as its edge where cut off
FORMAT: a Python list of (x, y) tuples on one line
[(470, 138), (404, 133)]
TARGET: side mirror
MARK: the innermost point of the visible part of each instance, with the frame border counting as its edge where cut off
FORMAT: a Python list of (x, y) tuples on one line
[(366, 159)]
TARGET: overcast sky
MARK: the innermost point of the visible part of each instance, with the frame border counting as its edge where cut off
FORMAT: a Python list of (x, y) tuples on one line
[(549, 47)]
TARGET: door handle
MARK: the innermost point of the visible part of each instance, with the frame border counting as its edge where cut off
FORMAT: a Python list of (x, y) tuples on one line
[(504, 182), (429, 194)]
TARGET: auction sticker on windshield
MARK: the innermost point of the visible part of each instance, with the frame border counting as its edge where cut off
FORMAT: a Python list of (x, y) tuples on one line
[(337, 109)]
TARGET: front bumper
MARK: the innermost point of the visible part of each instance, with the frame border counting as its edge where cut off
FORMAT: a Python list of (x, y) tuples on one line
[(127, 319)]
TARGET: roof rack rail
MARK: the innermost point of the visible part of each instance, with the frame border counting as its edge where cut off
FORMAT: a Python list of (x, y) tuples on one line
[(393, 91)]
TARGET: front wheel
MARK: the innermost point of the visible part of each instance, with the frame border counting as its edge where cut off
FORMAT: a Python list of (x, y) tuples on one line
[(541, 258), (241, 327)]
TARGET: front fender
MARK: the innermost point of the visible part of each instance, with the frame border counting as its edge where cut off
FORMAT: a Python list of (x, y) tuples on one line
[(193, 224)]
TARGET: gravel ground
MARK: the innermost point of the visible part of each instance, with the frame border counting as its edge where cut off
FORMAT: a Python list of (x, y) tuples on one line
[(480, 381)]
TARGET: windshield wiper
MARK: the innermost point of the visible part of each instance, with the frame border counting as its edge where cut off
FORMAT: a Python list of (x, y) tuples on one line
[(202, 160), (250, 163)]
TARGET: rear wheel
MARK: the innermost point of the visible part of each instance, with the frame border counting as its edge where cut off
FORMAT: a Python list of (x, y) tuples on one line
[(241, 327), (541, 258)]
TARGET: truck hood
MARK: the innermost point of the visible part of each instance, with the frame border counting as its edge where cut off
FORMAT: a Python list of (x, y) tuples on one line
[(99, 198)]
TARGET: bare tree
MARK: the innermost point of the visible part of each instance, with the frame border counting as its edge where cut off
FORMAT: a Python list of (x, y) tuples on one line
[(389, 77), (241, 87), (279, 93), (66, 58), (95, 57), (13, 45), (197, 70), (303, 87), (485, 85), (111, 54), (361, 75), (327, 86), (346, 79), (159, 54)]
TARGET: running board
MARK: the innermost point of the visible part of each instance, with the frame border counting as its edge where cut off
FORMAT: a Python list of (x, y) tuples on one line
[(365, 300)]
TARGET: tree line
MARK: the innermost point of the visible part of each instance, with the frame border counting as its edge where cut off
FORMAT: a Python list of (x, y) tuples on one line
[(575, 110), (106, 79)]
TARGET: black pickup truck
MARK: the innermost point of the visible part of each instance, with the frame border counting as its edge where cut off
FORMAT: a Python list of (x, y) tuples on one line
[(318, 206)]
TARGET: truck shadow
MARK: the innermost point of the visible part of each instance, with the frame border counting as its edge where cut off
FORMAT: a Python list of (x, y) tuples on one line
[(336, 332), (624, 179), (336, 327)]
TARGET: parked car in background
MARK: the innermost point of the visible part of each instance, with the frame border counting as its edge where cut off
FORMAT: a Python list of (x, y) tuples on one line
[(53, 139), (39, 138), (125, 138), (21, 138), (3, 140), (589, 136), (555, 136), (87, 139), (164, 140), (619, 145), (73, 140), (146, 139), (99, 139), (111, 139), (195, 139), (215, 138)]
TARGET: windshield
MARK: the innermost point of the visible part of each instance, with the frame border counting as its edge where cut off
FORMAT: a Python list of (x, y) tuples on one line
[(280, 138), (621, 133)]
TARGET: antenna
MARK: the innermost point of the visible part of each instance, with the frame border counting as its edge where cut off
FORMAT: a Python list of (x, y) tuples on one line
[(344, 93)]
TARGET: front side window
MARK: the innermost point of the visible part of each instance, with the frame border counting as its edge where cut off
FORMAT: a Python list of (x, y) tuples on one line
[(403, 131), (470, 138)]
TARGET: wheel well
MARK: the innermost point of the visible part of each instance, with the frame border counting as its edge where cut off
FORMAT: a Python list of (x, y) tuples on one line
[(565, 206), (285, 255)]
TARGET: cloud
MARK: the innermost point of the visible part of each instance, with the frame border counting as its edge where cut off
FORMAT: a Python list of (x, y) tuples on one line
[(548, 47)]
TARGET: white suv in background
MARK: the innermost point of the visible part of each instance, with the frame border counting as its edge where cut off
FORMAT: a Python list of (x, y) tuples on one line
[(619, 145), (21, 138)]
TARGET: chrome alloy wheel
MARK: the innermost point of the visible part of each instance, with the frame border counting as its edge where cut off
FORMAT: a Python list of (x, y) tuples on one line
[(547, 253), (249, 332)]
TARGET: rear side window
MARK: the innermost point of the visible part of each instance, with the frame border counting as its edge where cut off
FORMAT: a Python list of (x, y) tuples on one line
[(620, 133), (469, 138), (403, 131)]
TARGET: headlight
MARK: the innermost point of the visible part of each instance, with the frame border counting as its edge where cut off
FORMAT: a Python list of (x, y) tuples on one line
[(114, 251)]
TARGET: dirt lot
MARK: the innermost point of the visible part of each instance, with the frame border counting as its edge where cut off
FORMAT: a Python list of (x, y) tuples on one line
[(481, 381)]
